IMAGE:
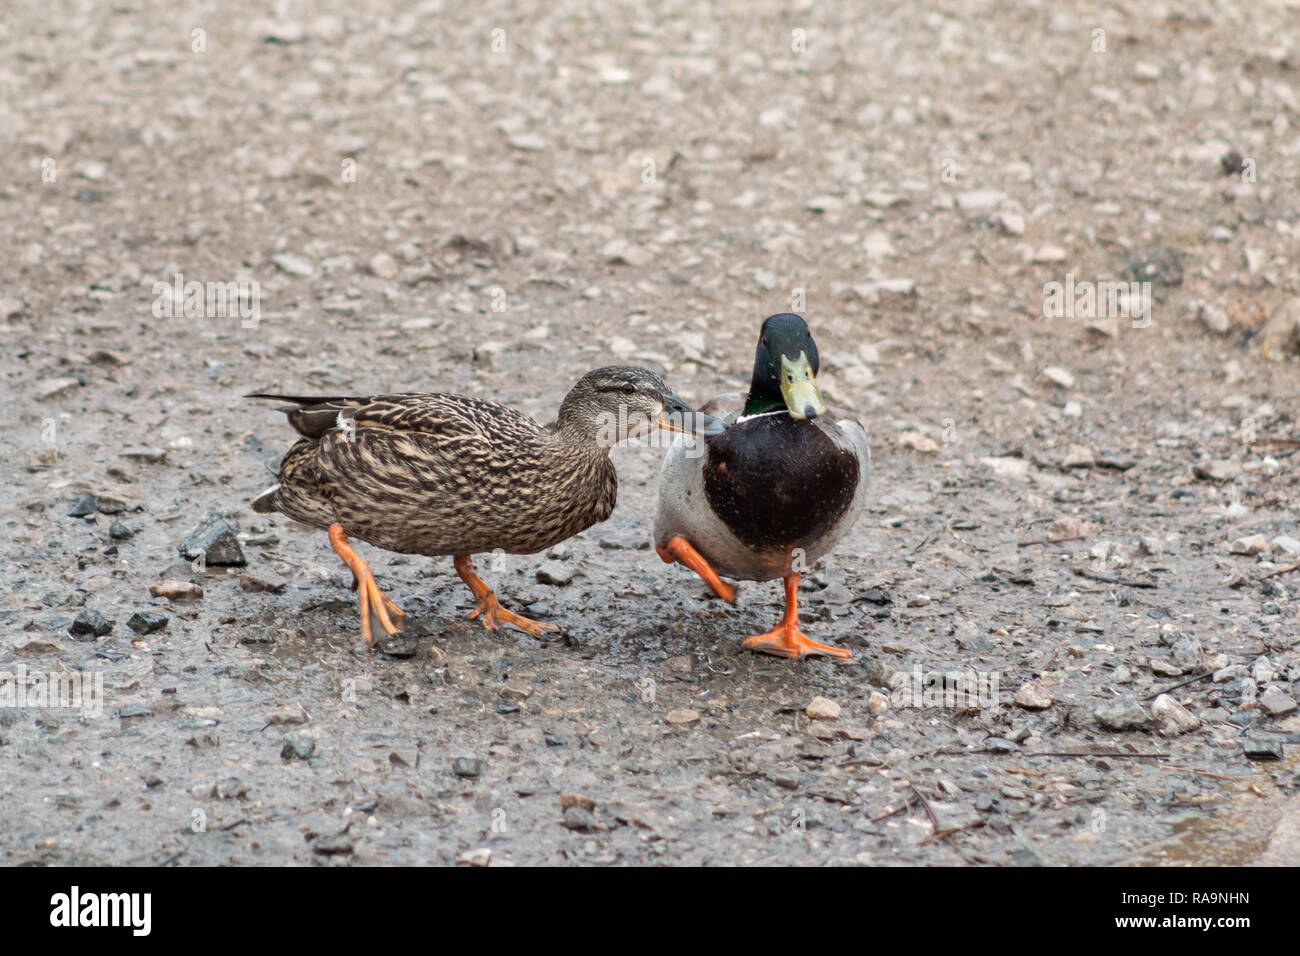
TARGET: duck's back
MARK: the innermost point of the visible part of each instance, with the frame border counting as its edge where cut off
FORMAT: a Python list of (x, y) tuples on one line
[(441, 474)]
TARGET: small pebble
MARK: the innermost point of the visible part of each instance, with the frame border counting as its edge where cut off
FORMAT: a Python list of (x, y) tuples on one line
[(176, 590), (579, 818), (383, 266), (1123, 714), (90, 625), (577, 800), (822, 708), (146, 622), (297, 746), (1058, 376), (293, 265), (1217, 470), (1171, 717), (83, 507), (1262, 748), (466, 767), (1249, 545), (1033, 696), (262, 581), (555, 572), (1276, 701), (213, 540)]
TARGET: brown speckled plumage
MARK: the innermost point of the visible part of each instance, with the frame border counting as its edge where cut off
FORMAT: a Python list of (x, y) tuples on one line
[(439, 474)]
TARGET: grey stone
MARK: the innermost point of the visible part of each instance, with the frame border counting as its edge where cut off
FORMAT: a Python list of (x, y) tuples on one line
[(1123, 714), (214, 540), (83, 507), (155, 456), (579, 818), (1262, 748), (297, 746), (1186, 652), (146, 622), (89, 625), (263, 581), (1229, 673), (338, 844), (466, 767), (555, 572), (230, 788), (1263, 670), (1239, 688), (1276, 701), (293, 265)]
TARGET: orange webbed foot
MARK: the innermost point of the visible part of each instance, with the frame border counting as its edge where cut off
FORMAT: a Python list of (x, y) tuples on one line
[(786, 639), (489, 607), (494, 614)]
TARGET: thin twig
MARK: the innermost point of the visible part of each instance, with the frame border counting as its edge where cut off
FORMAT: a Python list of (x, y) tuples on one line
[(1200, 773), (1086, 753), (1023, 772), (1073, 537), (929, 810), (941, 834), (1276, 571), (890, 813), (1181, 683), (1113, 579)]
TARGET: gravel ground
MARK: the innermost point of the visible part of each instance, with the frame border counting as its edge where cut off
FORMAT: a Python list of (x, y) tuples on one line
[(1072, 512)]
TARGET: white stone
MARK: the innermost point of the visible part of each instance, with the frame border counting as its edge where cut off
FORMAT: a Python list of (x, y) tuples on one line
[(822, 708), (1171, 717)]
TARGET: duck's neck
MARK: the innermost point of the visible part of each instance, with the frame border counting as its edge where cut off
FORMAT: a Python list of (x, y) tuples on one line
[(763, 398), (581, 432)]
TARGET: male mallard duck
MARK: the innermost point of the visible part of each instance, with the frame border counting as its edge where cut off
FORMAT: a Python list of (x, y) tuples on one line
[(439, 474), (775, 491)]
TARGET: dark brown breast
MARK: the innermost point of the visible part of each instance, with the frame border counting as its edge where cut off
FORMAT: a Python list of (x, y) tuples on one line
[(779, 482)]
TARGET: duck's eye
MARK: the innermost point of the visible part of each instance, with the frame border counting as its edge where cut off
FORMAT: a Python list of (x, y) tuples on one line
[(629, 389), (765, 341)]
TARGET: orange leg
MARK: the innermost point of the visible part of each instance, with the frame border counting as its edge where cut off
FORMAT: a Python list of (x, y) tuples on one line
[(394, 611), (367, 590), (488, 605), (679, 549), (786, 640)]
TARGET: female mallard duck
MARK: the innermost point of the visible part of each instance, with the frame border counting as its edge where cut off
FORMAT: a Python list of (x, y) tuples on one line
[(775, 491), (439, 474)]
